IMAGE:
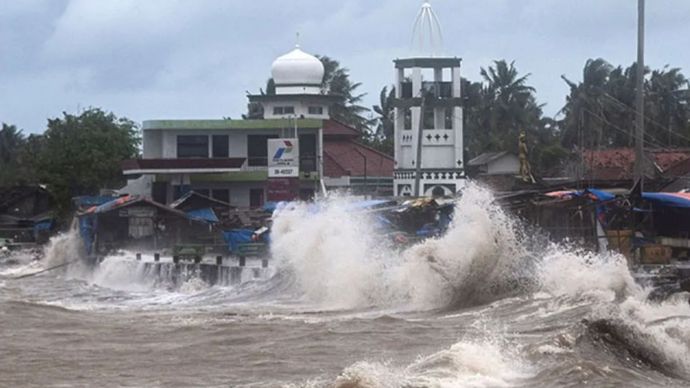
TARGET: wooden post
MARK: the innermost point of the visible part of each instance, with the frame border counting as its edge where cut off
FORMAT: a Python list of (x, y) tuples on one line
[(219, 260), (156, 256)]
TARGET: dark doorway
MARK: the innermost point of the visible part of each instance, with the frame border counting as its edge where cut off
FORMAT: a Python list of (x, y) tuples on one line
[(256, 198), (159, 193)]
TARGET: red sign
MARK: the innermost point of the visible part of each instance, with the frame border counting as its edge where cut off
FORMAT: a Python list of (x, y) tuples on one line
[(282, 189)]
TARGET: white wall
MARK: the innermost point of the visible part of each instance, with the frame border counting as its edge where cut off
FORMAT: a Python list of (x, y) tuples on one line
[(301, 109), (153, 145)]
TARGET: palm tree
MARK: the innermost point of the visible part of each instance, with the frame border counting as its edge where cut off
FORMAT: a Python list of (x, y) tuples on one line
[(347, 109), (584, 106), (511, 104), (668, 106), (385, 126)]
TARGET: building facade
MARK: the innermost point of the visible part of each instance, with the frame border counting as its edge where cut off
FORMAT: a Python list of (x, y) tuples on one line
[(428, 116), (228, 160)]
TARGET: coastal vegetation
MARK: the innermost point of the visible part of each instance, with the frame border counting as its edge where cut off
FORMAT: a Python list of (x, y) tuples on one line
[(75, 155)]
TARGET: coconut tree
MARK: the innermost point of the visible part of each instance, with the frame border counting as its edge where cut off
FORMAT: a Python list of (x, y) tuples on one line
[(385, 112)]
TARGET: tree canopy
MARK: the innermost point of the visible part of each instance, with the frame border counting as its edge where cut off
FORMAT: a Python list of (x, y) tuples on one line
[(600, 110), (82, 154)]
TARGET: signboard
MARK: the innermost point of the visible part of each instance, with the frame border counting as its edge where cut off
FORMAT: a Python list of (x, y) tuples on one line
[(138, 211), (282, 189), (283, 158)]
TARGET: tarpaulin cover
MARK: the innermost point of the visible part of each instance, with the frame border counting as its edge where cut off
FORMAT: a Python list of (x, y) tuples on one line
[(668, 199), (206, 214), (235, 237), (110, 205), (88, 200), (86, 231), (43, 225)]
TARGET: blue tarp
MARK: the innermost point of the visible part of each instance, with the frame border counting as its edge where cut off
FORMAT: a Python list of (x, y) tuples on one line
[(235, 237), (206, 214), (87, 200), (668, 199), (86, 231)]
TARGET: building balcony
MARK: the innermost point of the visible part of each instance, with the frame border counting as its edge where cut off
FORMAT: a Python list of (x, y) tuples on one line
[(434, 89), (208, 166), (181, 166)]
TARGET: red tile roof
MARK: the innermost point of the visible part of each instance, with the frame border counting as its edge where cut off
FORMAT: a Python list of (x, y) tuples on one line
[(333, 128), (619, 163), (347, 157)]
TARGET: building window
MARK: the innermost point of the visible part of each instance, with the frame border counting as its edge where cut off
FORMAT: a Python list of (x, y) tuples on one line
[(315, 110), (307, 153), (221, 146), (283, 110), (408, 118), (429, 119), (192, 146), (448, 118), (257, 149), (221, 195), (256, 198)]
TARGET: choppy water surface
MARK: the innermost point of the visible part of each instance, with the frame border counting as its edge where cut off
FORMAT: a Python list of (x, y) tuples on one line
[(482, 306)]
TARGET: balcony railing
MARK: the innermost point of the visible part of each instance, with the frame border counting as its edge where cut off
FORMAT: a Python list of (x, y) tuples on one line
[(434, 89)]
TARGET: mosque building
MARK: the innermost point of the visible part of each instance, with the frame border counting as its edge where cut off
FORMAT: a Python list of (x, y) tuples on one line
[(292, 150), (291, 147)]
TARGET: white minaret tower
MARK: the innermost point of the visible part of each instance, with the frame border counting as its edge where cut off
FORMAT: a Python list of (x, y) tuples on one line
[(428, 115)]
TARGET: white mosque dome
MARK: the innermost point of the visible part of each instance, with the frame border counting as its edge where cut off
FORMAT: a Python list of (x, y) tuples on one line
[(297, 68)]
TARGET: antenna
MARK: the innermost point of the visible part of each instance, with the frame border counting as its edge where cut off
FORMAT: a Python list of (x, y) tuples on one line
[(297, 39), (427, 38)]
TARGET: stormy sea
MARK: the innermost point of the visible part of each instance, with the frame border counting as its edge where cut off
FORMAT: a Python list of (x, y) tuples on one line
[(490, 303)]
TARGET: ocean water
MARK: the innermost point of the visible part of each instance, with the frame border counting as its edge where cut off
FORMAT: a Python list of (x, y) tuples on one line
[(488, 304)]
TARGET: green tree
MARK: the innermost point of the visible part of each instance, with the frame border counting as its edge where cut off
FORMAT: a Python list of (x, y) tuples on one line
[(347, 109), (600, 110), (12, 142), (510, 104), (82, 154), (385, 111)]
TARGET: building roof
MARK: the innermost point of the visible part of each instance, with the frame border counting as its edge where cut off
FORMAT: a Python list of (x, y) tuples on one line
[(487, 157), (346, 157), (194, 200), (231, 124), (127, 201), (619, 163), (334, 128)]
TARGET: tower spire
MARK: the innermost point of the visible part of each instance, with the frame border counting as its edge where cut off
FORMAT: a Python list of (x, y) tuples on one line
[(427, 38)]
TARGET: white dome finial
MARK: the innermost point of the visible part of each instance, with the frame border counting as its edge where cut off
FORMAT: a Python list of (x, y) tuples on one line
[(427, 38)]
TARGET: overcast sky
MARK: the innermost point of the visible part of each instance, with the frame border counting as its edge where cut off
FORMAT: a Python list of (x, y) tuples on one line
[(182, 59)]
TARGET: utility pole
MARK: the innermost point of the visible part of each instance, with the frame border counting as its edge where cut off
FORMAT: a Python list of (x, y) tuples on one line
[(639, 98), (418, 161)]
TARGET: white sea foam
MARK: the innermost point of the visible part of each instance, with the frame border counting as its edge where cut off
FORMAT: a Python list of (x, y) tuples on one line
[(338, 258), (466, 364)]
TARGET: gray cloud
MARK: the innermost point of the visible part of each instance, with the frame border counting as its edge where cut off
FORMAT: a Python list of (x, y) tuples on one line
[(183, 59)]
